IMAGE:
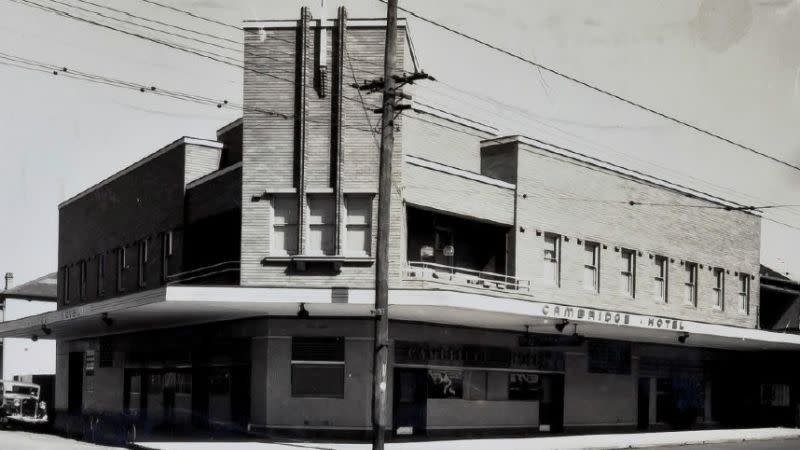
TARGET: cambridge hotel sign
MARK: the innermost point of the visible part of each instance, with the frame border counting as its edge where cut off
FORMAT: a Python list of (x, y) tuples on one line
[(610, 317)]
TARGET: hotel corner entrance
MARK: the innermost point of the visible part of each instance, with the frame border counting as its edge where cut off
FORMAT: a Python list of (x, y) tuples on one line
[(410, 401)]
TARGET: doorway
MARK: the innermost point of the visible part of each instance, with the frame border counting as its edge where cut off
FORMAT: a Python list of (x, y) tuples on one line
[(551, 406), (410, 399), (643, 404), (75, 380)]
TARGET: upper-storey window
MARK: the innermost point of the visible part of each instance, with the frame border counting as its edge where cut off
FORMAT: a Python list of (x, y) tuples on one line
[(284, 225), (82, 284), (744, 293), (690, 285), (144, 257), (358, 236), (628, 271), (719, 288), (591, 266), (65, 284), (321, 224), (552, 258), (122, 266), (661, 278), (166, 253), (101, 274)]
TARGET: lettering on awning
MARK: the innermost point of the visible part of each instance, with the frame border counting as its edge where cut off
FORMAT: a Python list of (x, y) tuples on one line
[(611, 317)]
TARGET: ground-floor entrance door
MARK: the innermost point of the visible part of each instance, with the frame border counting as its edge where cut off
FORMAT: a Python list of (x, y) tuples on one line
[(551, 405), (643, 404), (75, 381), (410, 398)]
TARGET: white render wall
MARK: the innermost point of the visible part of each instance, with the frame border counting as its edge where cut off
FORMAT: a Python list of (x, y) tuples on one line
[(23, 356)]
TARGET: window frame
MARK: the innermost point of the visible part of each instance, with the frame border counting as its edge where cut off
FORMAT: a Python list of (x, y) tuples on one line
[(662, 266), (329, 203), (628, 271), (692, 271), (744, 293), (719, 288), (291, 200), (122, 266), (82, 294), (555, 260), (65, 289), (166, 253), (101, 274), (594, 267), (304, 363), (366, 227), (144, 258)]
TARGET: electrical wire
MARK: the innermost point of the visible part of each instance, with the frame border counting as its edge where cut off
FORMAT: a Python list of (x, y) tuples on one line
[(522, 113), (576, 160), (43, 67), (596, 88), (160, 42)]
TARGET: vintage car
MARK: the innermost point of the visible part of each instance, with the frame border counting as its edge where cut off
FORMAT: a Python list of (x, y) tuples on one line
[(20, 402)]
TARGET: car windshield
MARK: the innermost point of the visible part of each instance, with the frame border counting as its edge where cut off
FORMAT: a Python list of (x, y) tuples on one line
[(24, 390)]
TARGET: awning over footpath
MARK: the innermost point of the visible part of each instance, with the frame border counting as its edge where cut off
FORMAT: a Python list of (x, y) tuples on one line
[(175, 306)]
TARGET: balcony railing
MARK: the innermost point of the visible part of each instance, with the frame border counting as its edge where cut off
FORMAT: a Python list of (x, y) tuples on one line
[(200, 274), (425, 271)]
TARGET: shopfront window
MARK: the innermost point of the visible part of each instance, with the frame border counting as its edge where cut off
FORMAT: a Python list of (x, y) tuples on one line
[(476, 385), (775, 395), (445, 384), (524, 386), (156, 384), (318, 367), (609, 357), (219, 381), (183, 383)]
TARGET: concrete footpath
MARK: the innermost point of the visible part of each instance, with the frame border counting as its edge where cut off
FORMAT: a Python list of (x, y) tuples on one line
[(595, 441)]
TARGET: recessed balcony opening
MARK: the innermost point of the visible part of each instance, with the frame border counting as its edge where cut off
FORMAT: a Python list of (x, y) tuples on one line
[(455, 250)]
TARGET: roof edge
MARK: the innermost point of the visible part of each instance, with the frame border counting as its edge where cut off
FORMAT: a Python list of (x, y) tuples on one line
[(184, 140), (317, 23), (634, 174)]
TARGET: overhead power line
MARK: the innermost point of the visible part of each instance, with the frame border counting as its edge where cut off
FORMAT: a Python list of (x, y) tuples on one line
[(582, 160), (595, 88), (19, 62), (189, 13), (172, 45), (148, 19)]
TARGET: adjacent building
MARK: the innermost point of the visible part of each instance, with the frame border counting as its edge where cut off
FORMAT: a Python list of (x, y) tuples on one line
[(533, 288), (24, 358)]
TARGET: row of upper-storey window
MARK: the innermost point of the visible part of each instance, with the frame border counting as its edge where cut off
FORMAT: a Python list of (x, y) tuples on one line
[(121, 265), (627, 272), (320, 226)]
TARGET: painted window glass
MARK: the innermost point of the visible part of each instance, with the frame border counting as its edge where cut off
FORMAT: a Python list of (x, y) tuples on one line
[(358, 236), (284, 225), (321, 224), (552, 258)]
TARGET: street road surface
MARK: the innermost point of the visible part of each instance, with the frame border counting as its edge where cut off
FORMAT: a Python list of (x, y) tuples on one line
[(791, 444), (22, 440)]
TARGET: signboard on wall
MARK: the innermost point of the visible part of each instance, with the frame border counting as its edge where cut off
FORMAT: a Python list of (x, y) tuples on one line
[(445, 384), (478, 356), (610, 317), (89, 363)]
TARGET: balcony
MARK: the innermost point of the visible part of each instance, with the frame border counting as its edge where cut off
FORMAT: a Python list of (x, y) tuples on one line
[(459, 251), (459, 276)]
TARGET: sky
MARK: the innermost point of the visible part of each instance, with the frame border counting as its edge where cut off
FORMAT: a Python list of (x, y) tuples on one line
[(730, 66)]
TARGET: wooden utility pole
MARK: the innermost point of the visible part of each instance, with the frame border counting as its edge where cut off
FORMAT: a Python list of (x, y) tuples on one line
[(381, 356)]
